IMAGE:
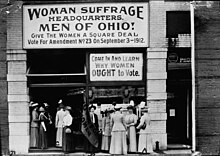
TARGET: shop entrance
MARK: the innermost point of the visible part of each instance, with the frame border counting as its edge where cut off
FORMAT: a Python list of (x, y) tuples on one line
[(72, 97), (179, 112)]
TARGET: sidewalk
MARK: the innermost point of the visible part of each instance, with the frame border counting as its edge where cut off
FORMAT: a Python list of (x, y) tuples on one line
[(184, 152)]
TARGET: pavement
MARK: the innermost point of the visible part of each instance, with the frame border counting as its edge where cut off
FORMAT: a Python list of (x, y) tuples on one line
[(173, 150), (178, 152)]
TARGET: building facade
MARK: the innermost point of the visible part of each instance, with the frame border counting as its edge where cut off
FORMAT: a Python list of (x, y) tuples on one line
[(207, 76), (114, 51)]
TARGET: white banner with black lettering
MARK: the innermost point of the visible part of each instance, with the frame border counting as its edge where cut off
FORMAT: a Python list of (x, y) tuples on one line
[(85, 25)]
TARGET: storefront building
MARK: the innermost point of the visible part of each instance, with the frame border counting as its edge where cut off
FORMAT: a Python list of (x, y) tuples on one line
[(112, 51)]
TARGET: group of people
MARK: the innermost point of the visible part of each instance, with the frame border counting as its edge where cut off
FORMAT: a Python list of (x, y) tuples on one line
[(41, 120), (119, 130)]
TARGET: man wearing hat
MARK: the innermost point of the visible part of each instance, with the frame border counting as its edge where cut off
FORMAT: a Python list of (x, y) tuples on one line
[(34, 125), (58, 123), (145, 142)]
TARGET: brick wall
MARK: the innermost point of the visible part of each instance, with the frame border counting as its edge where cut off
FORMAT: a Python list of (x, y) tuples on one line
[(207, 79), (4, 143), (18, 116)]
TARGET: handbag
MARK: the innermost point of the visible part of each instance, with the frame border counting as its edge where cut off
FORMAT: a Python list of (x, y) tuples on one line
[(68, 130), (143, 126)]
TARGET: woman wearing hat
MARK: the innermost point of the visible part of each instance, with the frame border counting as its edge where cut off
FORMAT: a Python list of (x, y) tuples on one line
[(34, 125), (118, 139), (145, 142), (42, 129), (93, 116), (67, 130), (131, 121), (106, 133)]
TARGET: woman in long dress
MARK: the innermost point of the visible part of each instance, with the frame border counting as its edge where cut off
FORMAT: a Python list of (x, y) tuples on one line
[(118, 139), (106, 134), (42, 129), (131, 121), (67, 131), (34, 126), (145, 142)]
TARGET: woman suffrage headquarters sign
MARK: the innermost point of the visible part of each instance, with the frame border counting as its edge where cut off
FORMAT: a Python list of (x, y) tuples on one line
[(116, 67), (85, 25)]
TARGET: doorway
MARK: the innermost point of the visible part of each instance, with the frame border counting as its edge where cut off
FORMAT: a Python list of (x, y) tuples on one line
[(71, 96), (179, 115)]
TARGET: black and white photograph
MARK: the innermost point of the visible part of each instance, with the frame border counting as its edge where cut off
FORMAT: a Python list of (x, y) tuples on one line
[(109, 78)]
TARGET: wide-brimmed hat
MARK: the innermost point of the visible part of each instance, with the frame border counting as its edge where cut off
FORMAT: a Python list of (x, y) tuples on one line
[(142, 104), (117, 107), (41, 109), (68, 108), (130, 107), (144, 109), (33, 104), (92, 106), (46, 105)]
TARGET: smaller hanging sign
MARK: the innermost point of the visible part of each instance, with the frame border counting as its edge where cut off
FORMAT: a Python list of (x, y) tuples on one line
[(116, 67)]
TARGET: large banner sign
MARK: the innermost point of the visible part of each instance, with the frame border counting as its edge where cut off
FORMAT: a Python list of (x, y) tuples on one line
[(85, 25), (116, 67)]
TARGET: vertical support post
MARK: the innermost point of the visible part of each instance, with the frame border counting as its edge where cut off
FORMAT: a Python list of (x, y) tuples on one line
[(193, 74)]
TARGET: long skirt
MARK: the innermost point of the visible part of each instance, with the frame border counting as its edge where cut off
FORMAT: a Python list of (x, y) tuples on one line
[(132, 146), (42, 138), (145, 142), (118, 143), (89, 147), (34, 137), (106, 140), (68, 144), (59, 136)]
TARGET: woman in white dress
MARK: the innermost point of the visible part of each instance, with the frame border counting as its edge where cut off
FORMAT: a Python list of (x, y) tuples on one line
[(118, 139), (145, 142), (131, 121)]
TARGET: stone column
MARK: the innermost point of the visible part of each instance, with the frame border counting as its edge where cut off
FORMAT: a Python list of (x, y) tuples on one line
[(18, 102), (156, 94)]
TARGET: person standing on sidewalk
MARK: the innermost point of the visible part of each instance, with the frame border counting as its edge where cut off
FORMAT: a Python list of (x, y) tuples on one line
[(118, 139), (67, 144), (106, 127), (59, 123), (34, 125), (42, 129), (131, 121), (145, 142)]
